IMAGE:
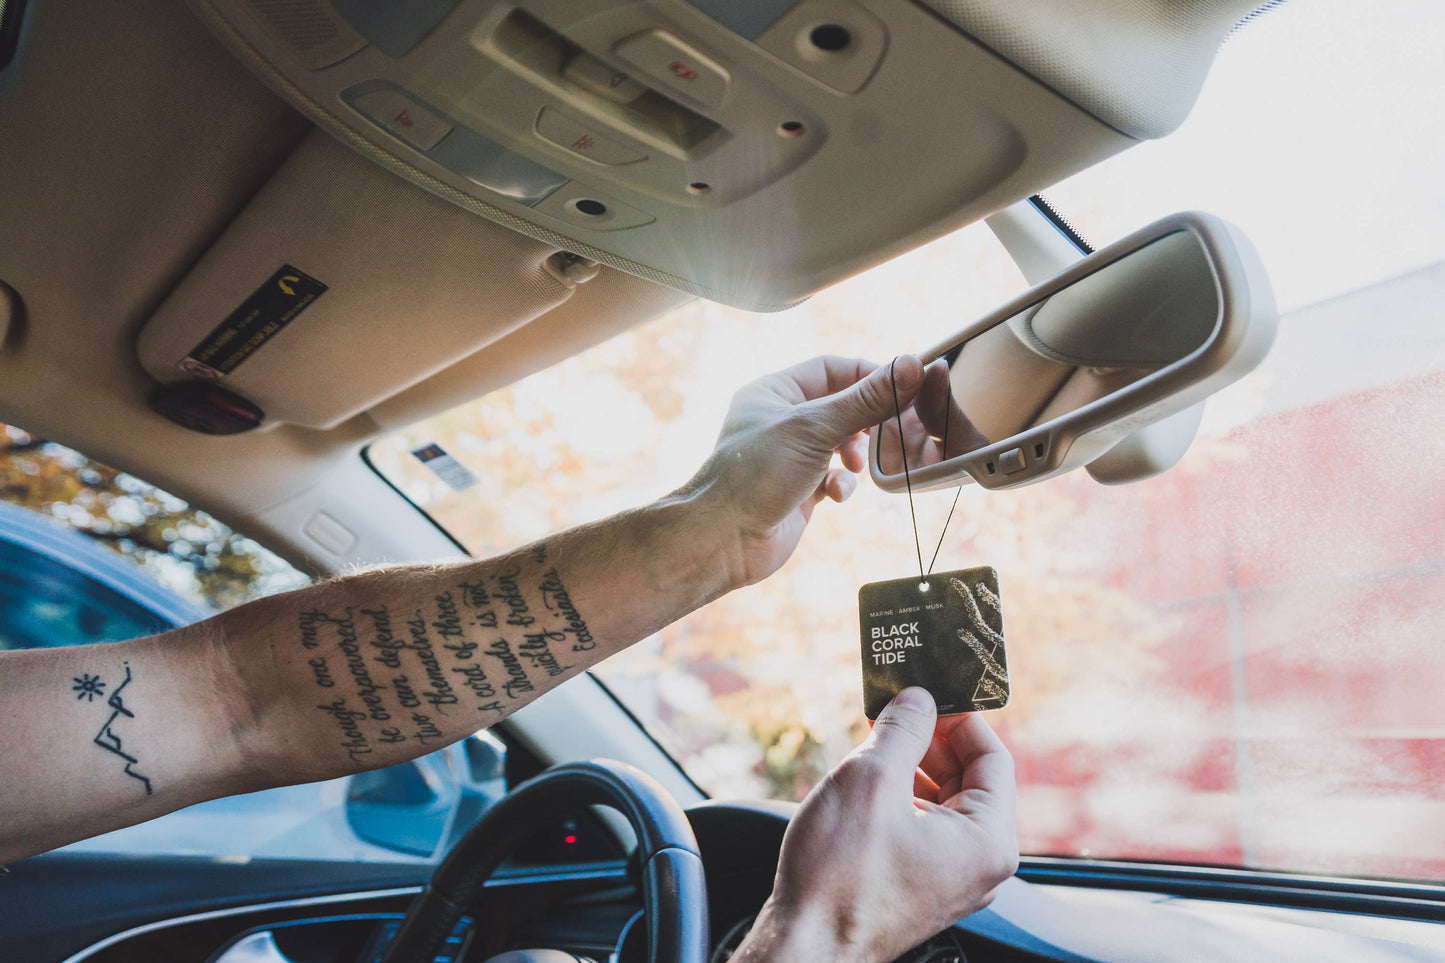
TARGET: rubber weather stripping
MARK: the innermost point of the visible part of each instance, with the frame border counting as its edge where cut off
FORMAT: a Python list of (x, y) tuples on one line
[(1252, 16), (11, 13), (1066, 228)]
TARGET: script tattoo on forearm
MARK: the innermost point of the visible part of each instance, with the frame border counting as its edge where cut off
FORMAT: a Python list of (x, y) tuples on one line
[(484, 642), (88, 687), (555, 596)]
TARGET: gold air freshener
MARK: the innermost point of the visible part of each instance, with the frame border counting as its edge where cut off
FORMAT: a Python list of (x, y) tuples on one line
[(943, 632)]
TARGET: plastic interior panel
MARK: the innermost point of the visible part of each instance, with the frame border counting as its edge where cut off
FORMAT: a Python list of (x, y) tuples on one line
[(743, 166)]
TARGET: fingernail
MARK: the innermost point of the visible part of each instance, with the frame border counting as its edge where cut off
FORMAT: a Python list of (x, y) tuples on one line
[(916, 698), (914, 373)]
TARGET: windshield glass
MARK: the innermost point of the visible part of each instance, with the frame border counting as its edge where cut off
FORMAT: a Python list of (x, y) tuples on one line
[(1237, 662)]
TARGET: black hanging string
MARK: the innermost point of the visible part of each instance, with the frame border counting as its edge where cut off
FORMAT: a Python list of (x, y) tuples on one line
[(908, 480)]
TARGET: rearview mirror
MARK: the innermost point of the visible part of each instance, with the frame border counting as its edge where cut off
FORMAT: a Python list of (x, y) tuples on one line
[(1124, 339)]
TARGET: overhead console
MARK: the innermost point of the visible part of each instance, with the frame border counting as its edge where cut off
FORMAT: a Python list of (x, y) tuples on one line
[(748, 151)]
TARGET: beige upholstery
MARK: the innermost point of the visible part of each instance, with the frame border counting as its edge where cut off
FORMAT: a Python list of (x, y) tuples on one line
[(1137, 65)]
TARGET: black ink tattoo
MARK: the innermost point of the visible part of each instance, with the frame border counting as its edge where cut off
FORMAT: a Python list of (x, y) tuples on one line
[(439, 693), (87, 687), (426, 731), (448, 623), (384, 641), (534, 647), (517, 682), (322, 673), (354, 741), (405, 694), (511, 596), (351, 653), (554, 595), (539, 552), (475, 595), (474, 678), (106, 737)]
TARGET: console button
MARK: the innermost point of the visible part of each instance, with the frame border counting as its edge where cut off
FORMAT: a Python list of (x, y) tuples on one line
[(1011, 461), (402, 117), (594, 76), (668, 60), (584, 139), (487, 163)]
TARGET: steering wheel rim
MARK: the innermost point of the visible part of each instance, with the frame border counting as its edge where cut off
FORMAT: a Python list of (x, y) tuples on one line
[(674, 890)]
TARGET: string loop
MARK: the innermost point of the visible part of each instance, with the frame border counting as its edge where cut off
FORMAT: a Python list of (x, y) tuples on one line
[(908, 480)]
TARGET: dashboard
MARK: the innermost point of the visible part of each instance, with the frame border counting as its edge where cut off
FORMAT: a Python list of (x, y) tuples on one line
[(1056, 910)]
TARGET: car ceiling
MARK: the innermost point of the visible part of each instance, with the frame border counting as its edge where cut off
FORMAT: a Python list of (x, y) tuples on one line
[(132, 142)]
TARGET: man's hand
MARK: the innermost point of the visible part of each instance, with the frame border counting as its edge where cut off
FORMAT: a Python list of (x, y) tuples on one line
[(773, 460), (911, 832)]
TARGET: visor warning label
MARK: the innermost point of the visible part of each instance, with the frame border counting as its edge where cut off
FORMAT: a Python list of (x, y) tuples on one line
[(271, 307)]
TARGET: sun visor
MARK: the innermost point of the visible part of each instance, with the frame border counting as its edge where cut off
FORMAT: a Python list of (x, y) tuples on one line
[(340, 285)]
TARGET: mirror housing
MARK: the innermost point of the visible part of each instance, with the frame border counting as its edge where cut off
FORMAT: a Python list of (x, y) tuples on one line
[(1124, 339)]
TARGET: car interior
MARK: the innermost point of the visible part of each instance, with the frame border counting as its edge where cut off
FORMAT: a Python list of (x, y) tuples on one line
[(258, 252)]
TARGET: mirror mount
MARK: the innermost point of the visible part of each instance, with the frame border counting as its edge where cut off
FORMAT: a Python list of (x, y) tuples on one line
[(1149, 451), (1119, 342)]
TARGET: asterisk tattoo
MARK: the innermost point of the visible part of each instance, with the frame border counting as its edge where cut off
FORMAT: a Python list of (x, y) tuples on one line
[(87, 687)]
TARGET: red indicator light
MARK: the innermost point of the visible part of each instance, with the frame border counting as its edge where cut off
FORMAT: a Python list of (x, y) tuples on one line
[(569, 839)]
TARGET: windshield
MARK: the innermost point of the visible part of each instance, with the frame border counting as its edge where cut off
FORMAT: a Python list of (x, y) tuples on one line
[(1237, 662)]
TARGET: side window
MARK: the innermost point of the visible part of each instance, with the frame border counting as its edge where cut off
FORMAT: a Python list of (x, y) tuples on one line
[(44, 602), (114, 531), (91, 554)]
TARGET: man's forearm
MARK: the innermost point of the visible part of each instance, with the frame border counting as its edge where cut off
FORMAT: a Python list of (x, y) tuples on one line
[(382, 666), (363, 671), (350, 674)]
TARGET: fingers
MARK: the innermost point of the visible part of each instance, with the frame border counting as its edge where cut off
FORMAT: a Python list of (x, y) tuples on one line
[(901, 734), (838, 484), (939, 762), (854, 452), (869, 400), (940, 414), (984, 762), (923, 787)]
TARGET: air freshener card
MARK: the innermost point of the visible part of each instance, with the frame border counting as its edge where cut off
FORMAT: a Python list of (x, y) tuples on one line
[(943, 632)]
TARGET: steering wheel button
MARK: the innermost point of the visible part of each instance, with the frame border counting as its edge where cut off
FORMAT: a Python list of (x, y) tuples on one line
[(402, 117), (668, 60), (584, 139)]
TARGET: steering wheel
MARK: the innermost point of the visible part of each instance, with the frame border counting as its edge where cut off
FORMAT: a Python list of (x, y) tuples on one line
[(674, 891)]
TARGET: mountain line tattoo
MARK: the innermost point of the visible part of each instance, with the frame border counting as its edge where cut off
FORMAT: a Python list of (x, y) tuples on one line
[(106, 737)]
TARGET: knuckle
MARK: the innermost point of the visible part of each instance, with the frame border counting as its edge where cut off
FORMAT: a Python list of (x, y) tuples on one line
[(1004, 865), (875, 394), (802, 425), (905, 721), (862, 774)]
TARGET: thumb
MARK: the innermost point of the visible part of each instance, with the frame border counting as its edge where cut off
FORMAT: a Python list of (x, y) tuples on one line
[(903, 732), (870, 401)]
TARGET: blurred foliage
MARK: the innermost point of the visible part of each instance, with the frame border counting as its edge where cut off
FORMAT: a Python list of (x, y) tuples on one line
[(184, 549)]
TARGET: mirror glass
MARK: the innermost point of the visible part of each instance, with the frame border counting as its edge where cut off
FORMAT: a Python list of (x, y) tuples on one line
[(1132, 317)]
